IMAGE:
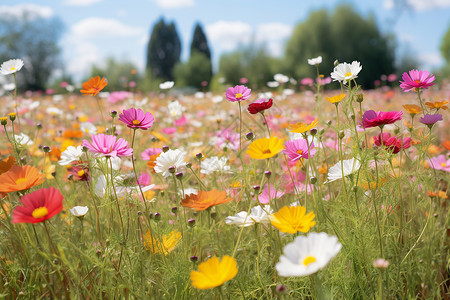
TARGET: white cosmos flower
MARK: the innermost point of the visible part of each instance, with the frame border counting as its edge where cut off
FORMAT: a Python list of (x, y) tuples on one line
[(171, 158), (273, 84), (121, 190), (166, 85), (54, 111), (350, 166), (217, 99), (88, 127), (23, 139), (315, 61), (281, 78), (187, 191), (307, 254), (214, 164), (346, 72), (70, 155), (79, 211), (257, 215), (11, 66), (175, 109), (9, 86)]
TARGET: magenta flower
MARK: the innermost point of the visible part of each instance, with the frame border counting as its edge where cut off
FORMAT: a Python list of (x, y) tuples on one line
[(372, 118), (265, 196), (391, 143), (103, 145), (430, 119), (260, 105), (136, 118), (440, 163), (238, 93), (298, 148), (416, 79)]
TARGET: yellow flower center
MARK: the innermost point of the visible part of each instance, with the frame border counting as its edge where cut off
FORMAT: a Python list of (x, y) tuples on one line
[(417, 81), (20, 180), (136, 122), (40, 212), (13, 68), (300, 152), (348, 74), (308, 260), (238, 95), (443, 165), (267, 151), (80, 173)]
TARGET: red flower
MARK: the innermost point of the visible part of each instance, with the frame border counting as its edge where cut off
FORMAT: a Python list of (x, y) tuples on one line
[(380, 118), (391, 143), (38, 206), (260, 105)]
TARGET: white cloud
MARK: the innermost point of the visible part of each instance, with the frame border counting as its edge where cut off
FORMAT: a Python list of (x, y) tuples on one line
[(171, 4), (417, 5), (33, 10), (95, 27), (431, 60), (227, 35), (81, 2)]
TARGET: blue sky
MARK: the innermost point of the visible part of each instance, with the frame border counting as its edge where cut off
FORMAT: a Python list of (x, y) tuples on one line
[(97, 29)]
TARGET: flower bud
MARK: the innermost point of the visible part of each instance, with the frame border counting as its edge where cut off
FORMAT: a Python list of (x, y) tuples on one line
[(313, 180), (353, 117), (46, 149), (84, 149), (179, 175), (139, 213), (165, 148), (174, 210), (194, 258), (359, 98), (191, 222), (313, 131), (113, 114), (188, 165), (250, 136), (12, 116), (341, 134), (172, 169), (157, 216), (380, 263), (3, 120), (267, 174), (199, 155), (256, 188), (281, 289), (336, 62)]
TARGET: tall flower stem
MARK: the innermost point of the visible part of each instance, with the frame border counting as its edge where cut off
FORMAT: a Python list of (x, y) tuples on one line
[(134, 170), (240, 129), (115, 195), (15, 98), (420, 101), (101, 111), (265, 122)]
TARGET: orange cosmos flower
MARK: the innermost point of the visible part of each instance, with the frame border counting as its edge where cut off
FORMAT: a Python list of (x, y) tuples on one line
[(440, 194), (446, 145), (20, 178), (6, 164), (300, 127), (437, 105), (93, 86), (335, 99), (205, 199), (412, 109)]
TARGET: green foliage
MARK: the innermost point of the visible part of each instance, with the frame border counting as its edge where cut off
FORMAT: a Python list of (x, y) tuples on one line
[(118, 74), (199, 45), (445, 46), (252, 62), (199, 42), (33, 39), (194, 72), (164, 49), (343, 35)]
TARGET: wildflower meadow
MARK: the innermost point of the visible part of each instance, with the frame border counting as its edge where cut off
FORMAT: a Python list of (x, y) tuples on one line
[(242, 194)]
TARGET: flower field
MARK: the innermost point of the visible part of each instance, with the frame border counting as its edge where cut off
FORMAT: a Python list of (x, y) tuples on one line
[(244, 194)]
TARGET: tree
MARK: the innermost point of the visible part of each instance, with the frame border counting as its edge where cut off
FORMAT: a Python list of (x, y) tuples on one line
[(445, 46), (118, 74), (33, 39), (194, 72), (164, 49), (344, 35), (199, 45)]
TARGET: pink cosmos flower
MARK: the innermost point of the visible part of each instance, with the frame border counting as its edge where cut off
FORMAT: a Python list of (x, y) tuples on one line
[(265, 196), (136, 118), (238, 93), (149, 152), (391, 143), (440, 163), (260, 105), (430, 119), (416, 79), (103, 145), (307, 81), (144, 179), (298, 148), (117, 96), (372, 118), (227, 138)]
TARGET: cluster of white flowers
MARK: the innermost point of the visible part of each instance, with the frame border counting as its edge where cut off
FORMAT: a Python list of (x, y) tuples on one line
[(257, 215), (170, 159), (175, 109), (214, 164)]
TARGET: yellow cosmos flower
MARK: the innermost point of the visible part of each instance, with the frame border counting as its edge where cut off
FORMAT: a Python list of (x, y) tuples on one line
[(412, 109), (166, 245), (265, 148), (437, 105), (300, 127), (335, 99), (292, 219), (213, 273)]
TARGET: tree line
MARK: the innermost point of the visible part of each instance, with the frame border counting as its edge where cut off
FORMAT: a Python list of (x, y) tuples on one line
[(341, 34)]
